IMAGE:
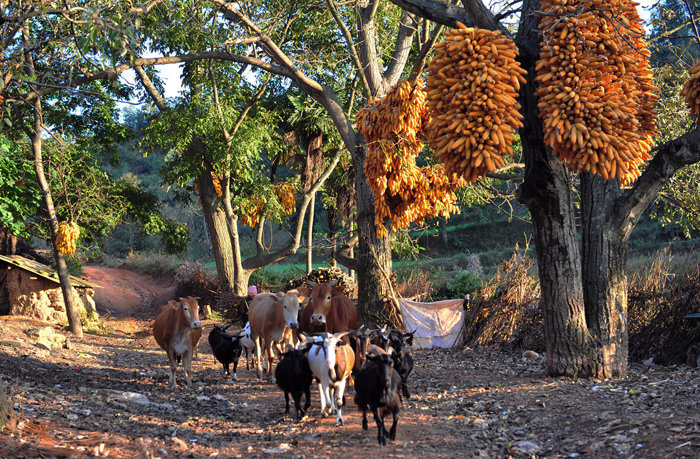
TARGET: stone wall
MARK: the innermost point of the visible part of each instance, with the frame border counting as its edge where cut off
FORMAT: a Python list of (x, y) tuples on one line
[(33, 296)]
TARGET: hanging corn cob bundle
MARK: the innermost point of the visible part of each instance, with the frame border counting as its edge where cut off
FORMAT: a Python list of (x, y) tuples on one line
[(393, 129), (217, 183), (68, 234), (254, 206), (691, 92), (595, 86), (472, 89), (285, 192)]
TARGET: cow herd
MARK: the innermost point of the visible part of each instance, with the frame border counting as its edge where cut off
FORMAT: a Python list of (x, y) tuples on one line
[(315, 333)]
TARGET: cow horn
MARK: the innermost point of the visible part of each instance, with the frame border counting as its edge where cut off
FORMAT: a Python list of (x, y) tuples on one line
[(333, 282), (310, 283)]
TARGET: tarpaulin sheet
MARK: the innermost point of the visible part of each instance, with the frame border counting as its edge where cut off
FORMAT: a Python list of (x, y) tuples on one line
[(437, 324)]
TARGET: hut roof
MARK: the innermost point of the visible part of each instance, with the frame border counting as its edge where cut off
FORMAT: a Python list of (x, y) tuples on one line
[(42, 270)]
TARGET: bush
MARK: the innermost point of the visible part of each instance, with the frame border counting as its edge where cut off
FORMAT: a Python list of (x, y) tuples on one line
[(152, 264)]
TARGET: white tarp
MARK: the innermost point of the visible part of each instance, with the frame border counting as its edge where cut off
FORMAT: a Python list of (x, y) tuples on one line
[(437, 324)]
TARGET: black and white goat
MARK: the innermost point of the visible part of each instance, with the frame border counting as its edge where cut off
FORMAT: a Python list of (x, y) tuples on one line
[(377, 389), (226, 348), (293, 376), (247, 343)]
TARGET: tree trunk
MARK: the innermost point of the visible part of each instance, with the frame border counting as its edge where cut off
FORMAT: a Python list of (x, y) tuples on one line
[(373, 254), (546, 191), (443, 232), (74, 324), (604, 259), (351, 250), (8, 242), (217, 226), (310, 236)]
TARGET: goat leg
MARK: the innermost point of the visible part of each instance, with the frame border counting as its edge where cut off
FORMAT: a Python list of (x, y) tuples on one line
[(395, 416), (381, 431), (286, 401)]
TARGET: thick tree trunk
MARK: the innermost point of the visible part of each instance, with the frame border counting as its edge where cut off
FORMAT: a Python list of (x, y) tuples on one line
[(373, 255), (217, 226), (8, 242), (547, 193), (604, 259)]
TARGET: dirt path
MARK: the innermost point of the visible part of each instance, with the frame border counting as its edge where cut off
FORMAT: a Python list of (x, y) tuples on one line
[(473, 403)]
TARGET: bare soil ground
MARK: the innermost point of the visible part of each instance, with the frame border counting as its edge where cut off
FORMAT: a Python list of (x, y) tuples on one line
[(465, 403)]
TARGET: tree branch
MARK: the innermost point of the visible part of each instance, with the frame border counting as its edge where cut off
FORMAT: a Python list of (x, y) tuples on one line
[(113, 73), (402, 48), (350, 42), (670, 157), (264, 259)]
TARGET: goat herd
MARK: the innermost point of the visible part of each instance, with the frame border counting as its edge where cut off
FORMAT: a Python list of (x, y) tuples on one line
[(333, 352)]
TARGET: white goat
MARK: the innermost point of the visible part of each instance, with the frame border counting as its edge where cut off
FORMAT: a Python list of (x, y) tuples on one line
[(331, 362)]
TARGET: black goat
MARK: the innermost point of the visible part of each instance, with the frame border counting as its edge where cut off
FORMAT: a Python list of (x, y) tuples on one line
[(377, 388), (293, 376), (403, 360), (226, 348)]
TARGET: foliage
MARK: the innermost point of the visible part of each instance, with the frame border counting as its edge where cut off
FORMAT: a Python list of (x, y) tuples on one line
[(673, 39), (679, 200), (19, 198)]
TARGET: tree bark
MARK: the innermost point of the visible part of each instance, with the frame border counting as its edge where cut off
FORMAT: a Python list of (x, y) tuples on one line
[(310, 235), (373, 256), (604, 259), (217, 224), (546, 191), (74, 324)]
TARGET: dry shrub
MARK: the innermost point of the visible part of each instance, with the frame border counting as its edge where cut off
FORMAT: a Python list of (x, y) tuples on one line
[(657, 305), (193, 280), (321, 275), (507, 310), (415, 287)]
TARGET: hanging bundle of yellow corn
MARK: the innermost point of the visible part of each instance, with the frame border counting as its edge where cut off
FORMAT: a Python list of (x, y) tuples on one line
[(691, 92), (393, 129), (472, 89), (254, 206), (595, 91), (217, 183), (67, 236)]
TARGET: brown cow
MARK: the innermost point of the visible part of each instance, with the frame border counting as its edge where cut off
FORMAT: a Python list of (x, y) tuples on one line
[(177, 330), (270, 316), (328, 310)]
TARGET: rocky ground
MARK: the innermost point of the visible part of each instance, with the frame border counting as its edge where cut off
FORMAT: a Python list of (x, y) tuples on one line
[(107, 395)]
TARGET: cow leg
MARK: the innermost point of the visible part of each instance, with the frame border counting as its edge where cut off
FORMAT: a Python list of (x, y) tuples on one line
[(247, 362), (173, 368), (270, 360), (395, 416), (187, 363), (381, 438), (364, 418), (258, 353), (226, 371)]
